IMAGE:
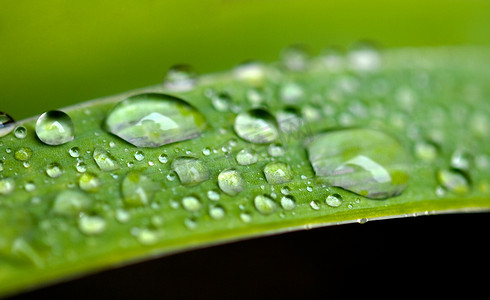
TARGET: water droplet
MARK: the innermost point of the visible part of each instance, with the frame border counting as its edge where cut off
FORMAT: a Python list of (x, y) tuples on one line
[(54, 170), (152, 120), (29, 186), (1, 166), (6, 124), (81, 167), (180, 78), (315, 204), (20, 132), (247, 157), (461, 160), (291, 93), (426, 151), (256, 126), (89, 182), (265, 204), (245, 217), (145, 236), (289, 120), (217, 212), (105, 160), (288, 203), (285, 190), (334, 200), (7, 186), (23, 154), (74, 152), (91, 225), (213, 195), (163, 158), (364, 57), (70, 203), (191, 204), (55, 128), (122, 216), (139, 156), (275, 150), (295, 57), (221, 101), (278, 172), (206, 151), (454, 181), (364, 161), (230, 182), (190, 170), (137, 189), (252, 72)]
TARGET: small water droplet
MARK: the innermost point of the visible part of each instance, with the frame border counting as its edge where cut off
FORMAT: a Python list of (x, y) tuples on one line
[(461, 160), (364, 161), (139, 156), (315, 204), (334, 200), (206, 151), (6, 124), (74, 152), (152, 120), (230, 182), (137, 189), (285, 190), (1, 166), (54, 170), (247, 157), (92, 225), (295, 57), (217, 212), (122, 216), (7, 186), (275, 150), (23, 154), (145, 236), (252, 72), (364, 57), (180, 78), (221, 101), (89, 182), (20, 132), (289, 120), (163, 158), (256, 126), (55, 128), (426, 151), (70, 203), (245, 217), (190, 170), (288, 203), (105, 160), (265, 204), (81, 167), (291, 93), (191, 204), (213, 195), (454, 180), (278, 172), (29, 186)]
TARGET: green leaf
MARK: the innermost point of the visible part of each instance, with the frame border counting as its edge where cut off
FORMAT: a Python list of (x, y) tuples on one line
[(272, 148)]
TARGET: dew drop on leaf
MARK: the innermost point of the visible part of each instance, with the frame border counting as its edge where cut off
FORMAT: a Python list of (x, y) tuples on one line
[(190, 170), (20, 132), (105, 160), (454, 180), (288, 203), (23, 154), (152, 120), (334, 200), (70, 203), (7, 186), (265, 204), (6, 124), (247, 157), (180, 78), (278, 172), (55, 128), (54, 170), (191, 204), (137, 189), (217, 212), (256, 126), (230, 182), (91, 225), (89, 182)]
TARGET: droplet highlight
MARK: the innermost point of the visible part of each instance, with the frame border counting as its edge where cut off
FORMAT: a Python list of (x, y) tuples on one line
[(256, 126), (55, 128)]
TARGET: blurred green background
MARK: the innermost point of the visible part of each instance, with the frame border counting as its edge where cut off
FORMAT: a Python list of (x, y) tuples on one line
[(54, 53)]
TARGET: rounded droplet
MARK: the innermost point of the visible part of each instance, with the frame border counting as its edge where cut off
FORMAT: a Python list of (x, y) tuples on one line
[(334, 200), (146, 236), (426, 151), (81, 167), (180, 78), (213, 195), (247, 157), (275, 150), (139, 156), (7, 186), (291, 93), (91, 225), (152, 120), (364, 161), (1, 166), (6, 124), (105, 160), (278, 172), (256, 126), (251, 72), (191, 171), (20, 132), (29, 186), (163, 158), (54, 170), (221, 101), (74, 152), (230, 182), (288, 203), (245, 217), (137, 189), (285, 190), (265, 204), (89, 182), (217, 212), (315, 204), (289, 120), (191, 204), (55, 128), (122, 216), (295, 57), (454, 180), (70, 203), (364, 57), (23, 154), (461, 160)]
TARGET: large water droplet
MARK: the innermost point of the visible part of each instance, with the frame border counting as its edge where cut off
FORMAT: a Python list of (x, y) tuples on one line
[(247, 157), (334, 200), (265, 204), (180, 78), (20, 132), (288, 203), (23, 154), (364, 57), (278, 172), (256, 126), (137, 189), (105, 160), (152, 120), (230, 182), (6, 124), (295, 57), (365, 161), (190, 170), (454, 181), (7, 186), (70, 203), (55, 128), (91, 225)]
